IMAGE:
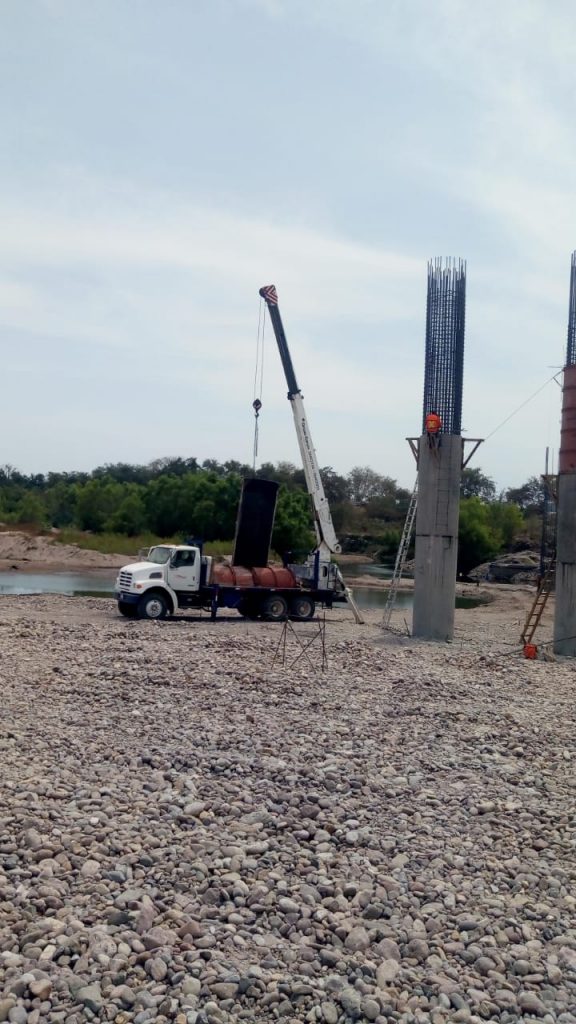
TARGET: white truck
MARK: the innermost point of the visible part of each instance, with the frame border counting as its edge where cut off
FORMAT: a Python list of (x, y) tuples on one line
[(179, 576)]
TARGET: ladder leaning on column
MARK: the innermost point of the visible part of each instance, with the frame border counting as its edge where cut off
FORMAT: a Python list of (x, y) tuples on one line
[(538, 605), (401, 557)]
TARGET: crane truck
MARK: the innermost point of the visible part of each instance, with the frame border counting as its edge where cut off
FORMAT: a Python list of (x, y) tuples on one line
[(178, 576), (327, 542)]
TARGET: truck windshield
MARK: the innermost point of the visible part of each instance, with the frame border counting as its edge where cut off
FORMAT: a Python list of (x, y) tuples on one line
[(159, 555)]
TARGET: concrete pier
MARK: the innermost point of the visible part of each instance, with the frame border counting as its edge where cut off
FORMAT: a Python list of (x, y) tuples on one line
[(565, 613), (439, 471), (565, 609)]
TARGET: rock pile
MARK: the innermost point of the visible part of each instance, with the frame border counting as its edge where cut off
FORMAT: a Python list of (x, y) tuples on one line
[(189, 834), (517, 567)]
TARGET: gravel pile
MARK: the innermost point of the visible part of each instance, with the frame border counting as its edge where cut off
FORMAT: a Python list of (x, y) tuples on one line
[(189, 833)]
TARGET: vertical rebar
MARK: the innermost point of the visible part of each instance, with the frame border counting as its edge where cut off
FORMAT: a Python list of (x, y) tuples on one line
[(445, 324), (571, 346)]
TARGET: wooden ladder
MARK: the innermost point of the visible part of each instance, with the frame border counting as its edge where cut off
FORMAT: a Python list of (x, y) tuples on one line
[(539, 603)]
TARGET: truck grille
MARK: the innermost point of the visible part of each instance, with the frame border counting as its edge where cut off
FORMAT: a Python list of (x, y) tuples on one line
[(125, 580)]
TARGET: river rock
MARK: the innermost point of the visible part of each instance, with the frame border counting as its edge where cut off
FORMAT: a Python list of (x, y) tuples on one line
[(388, 840)]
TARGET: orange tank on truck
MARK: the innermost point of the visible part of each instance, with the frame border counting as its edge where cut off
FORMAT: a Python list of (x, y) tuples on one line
[(237, 576)]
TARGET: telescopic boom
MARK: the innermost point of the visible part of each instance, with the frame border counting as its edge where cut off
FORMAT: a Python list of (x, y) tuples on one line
[(325, 534)]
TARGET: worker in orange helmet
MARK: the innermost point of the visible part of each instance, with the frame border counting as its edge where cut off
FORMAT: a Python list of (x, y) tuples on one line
[(433, 425)]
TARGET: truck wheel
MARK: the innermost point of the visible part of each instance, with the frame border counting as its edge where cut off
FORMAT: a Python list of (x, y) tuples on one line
[(129, 611), (152, 606), (302, 608), (248, 609), (274, 608)]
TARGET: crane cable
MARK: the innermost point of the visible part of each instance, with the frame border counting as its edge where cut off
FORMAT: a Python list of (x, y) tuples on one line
[(258, 377), (526, 402)]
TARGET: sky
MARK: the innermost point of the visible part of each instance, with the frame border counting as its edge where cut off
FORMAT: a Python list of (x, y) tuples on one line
[(160, 160)]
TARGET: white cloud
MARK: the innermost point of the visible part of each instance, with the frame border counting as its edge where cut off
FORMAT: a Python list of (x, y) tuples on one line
[(191, 239), (171, 289), (167, 284), (173, 294)]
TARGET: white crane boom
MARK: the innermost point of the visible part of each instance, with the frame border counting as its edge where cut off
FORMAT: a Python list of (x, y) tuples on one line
[(327, 541)]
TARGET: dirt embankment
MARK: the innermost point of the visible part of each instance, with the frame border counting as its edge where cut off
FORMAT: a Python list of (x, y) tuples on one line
[(20, 551)]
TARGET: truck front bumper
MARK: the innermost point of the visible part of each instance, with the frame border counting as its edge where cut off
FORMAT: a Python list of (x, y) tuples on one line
[(124, 598)]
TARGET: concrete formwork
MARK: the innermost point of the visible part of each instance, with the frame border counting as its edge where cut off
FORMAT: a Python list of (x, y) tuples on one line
[(439, 471), (565, 612)]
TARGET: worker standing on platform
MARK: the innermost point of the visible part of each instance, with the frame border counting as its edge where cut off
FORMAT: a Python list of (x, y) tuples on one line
[(433, 426)]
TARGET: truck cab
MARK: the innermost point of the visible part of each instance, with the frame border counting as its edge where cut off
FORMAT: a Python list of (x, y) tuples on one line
[(170, 577)]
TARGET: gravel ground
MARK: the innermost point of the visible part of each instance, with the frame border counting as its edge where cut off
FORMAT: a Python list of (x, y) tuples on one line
[(192, 833)]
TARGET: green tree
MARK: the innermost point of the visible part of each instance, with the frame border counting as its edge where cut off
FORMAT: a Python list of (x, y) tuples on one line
[(364, 485), (529, 497), (283, 472), (130, 516), (506, 520), (391, 506), (60, 502), (96, 501), (293, 523), (30, 510), (477, 539), (202, 504), (171, 466), (161, 500), (390, 542), (474, 484), (335, 486)]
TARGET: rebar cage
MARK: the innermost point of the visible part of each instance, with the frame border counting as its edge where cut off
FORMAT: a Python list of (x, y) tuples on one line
[(571, 346), (445, 323)]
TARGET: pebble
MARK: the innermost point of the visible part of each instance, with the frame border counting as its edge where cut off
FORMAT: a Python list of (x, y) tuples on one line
[(530, 1003), (330, 1012), (157, 969), (386, 972), (90, 996), (191, 833), (18, 1015), (357, 939)]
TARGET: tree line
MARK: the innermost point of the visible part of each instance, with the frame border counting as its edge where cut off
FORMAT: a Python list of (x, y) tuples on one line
[(183, 497)]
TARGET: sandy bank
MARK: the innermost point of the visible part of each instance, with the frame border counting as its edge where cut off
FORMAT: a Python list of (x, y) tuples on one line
[(46, 554)]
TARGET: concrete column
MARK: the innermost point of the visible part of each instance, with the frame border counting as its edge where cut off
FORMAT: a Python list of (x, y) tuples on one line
[(439, 473), (565, 611)]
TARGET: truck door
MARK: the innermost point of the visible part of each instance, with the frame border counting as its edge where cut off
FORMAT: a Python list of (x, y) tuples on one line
[(184, 571)]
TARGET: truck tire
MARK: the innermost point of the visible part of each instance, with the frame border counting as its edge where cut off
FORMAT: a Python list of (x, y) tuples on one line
[(152, 606), (248, 609), (274, 608), (129, 611), (302, 608)]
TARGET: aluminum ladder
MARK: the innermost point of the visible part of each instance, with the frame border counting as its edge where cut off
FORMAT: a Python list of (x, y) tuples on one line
[(539, 603), (401, 557)]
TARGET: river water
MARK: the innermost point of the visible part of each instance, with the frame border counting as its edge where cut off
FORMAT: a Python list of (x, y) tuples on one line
[(73, 584), (101, 584)]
